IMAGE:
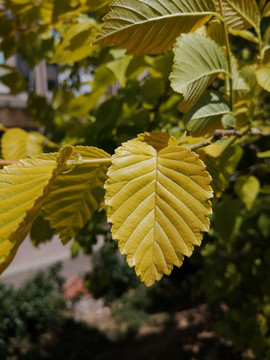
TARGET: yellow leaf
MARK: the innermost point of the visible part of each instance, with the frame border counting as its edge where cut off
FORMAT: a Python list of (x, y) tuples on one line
[(18, 144), (23, 188), (247, 188), (158, 203)]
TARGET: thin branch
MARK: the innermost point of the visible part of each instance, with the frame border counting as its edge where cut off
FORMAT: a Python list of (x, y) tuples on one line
[(8, 162), (234, 132)]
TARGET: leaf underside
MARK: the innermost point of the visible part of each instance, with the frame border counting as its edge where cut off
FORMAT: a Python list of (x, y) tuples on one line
[(240, 14), (152, 26), (198, 61), (158, 203)]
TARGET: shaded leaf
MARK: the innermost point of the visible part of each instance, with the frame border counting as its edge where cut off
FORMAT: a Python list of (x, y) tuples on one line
[(266, 11), (23, 188), (76, 194), (247, 188), (198, 61), (152, 27), (206, 115), (18, 144), (158, 203), (76, 43), (93, 5), (158, 140), (240, 14)]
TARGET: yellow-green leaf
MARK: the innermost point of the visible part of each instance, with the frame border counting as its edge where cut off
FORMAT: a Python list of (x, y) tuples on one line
[(247, 188), (18, 144), (198, 61), (76, 194), (93, 5), (152, 26), (23, 188), (158, 203), (76, 43)]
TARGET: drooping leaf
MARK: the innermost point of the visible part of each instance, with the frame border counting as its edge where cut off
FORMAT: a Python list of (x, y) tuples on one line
[(76, 43), (198, 61), (18, 144), (75, 195), (158, 203), (23, 188), (206, 115), (240, 14), (247, 188), (152, 27), (158, 140)]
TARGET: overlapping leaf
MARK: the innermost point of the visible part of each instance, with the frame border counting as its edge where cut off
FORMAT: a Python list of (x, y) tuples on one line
[(75, 195), (158, 204), (198, 61), (206, 115), (152, 26), (240, 14), (23, 188), (17, 144)]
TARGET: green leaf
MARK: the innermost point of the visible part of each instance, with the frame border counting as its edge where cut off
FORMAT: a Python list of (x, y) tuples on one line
[(206, 115), (198, 61), (76, 43), (93, 5), (266, 11), (23, 188), (76, 194), (152, 27), (264, 154), (158, 203), (247, 188), (240, 14), (18, 144), (119, 68), (15, 81)]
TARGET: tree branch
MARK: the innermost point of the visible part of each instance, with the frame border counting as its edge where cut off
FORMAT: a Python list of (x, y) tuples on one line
[(234, 132)]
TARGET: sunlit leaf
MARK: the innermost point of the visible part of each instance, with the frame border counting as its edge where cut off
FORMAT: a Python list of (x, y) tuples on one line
[(23, 188), (263, 77), (247, 188), (240, 14), (18, 144), (198, 61), (76, 194), (152, 27), (158, 203), (119, 68), (206, 115)]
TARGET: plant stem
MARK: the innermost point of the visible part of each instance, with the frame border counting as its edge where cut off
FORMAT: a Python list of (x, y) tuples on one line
[(97, 161), (234, 132), (228, 51)]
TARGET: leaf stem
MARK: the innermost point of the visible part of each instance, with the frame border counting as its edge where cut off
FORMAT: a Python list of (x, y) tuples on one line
[(228, 52)]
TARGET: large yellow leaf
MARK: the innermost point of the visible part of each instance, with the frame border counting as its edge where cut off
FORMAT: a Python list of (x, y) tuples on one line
[(158, 203), (17, 144), (152, 26), (23, 188), (76, 194)]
